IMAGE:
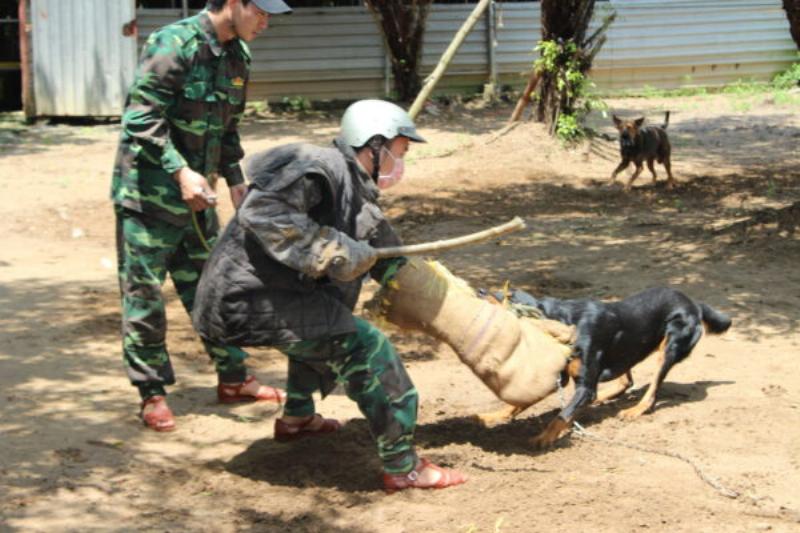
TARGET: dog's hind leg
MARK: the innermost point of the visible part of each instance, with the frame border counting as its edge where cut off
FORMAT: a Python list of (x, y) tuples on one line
[(670, 178), (664, 157), (652, 169), (682, 335), (649, 398), (615, 388), (506, 414)]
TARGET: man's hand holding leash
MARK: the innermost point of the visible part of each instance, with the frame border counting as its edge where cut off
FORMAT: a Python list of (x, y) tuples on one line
[(195, 189)]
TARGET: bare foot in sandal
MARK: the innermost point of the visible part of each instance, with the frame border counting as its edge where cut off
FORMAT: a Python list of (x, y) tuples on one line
[(250, 390), (425, 476), (156, 414), (289, 428)]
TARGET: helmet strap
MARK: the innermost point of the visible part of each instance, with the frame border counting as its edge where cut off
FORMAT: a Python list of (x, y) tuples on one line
[(375, 144)]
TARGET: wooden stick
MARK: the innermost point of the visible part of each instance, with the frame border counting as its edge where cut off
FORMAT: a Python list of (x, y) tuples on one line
[(433, 79), (514, 224), (525, 97)]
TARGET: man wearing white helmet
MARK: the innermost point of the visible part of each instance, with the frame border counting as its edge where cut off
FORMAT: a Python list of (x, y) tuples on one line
[(288, 270)]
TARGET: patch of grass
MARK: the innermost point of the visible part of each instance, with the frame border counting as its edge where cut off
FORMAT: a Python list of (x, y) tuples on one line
[(12, 126), (743, 106), (788, 78), (772, 189), (785, 98), (746, 88), (648, 91)]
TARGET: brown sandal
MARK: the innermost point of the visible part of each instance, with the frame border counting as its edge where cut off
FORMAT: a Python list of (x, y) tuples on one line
[(447, 478), (160, 417), (288, 432), (232, 393)]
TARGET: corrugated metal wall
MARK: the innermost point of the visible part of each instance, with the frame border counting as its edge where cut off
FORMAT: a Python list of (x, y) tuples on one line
[(337, 52), (700, 42), (82, 65)]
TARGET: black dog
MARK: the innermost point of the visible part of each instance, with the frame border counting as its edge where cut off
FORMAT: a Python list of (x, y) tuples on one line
[(637, 144), (611, 338)]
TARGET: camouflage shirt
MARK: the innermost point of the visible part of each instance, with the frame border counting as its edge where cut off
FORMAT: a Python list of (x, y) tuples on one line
[(183, 109)]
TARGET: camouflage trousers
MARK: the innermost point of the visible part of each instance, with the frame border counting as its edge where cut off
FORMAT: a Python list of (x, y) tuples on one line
[(148, 249), (373, 375)]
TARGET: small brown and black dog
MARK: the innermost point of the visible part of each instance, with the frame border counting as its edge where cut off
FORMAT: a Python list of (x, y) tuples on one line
[(637, 144)]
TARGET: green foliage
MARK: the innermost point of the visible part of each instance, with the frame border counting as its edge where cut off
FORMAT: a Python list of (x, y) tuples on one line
[(565, 62), (772, 189), (569, 129), (259, 106), (789, 78), (562, 60), (744, 88), (741, 89), (299, 104)]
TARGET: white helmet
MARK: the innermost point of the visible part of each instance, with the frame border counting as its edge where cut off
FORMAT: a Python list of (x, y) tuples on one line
[(367, 118)]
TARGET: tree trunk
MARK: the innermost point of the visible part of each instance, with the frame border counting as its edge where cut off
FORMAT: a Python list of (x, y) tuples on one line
[(562, 21), (403, 26), (792, 8)]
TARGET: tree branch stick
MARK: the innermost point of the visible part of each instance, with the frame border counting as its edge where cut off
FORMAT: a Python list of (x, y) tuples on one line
[(525, 97), (438, 246), (433, 79)]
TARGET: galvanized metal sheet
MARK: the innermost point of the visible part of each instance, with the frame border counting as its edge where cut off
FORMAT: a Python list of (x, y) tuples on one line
[(329, 53), (82, 64)]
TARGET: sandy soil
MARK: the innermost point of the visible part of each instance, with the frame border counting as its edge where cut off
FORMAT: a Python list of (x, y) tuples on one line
[(74, 457)]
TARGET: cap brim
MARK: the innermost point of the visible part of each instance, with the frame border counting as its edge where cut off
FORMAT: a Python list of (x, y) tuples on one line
[(412, 134), (273, 7)]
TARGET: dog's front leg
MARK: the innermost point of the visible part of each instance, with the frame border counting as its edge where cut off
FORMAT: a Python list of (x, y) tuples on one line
[(622, 166), (639, 168), (585, 376)]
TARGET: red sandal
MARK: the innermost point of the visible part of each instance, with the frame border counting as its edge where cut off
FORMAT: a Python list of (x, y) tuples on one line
[(288, 432), (160, 417), (447, 478), (232, 393)]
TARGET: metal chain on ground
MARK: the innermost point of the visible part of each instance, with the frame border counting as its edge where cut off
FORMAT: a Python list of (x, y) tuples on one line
[(581, 432)]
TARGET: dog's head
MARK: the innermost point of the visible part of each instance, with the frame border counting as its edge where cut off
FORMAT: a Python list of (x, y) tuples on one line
[(628, 131)]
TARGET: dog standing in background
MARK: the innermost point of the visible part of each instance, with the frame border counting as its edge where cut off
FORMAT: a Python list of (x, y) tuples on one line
[(637, 144)]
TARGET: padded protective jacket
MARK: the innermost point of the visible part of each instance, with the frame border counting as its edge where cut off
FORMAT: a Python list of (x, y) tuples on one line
[(265, 281)]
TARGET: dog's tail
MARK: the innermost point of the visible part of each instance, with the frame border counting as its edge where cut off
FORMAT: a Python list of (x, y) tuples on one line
[(715, 321), (666, 120)]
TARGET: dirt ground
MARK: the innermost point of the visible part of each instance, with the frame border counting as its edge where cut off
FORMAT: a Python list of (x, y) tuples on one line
[(74, 457)]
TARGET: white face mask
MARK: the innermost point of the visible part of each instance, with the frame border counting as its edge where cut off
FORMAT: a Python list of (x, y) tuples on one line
[(395, 175)]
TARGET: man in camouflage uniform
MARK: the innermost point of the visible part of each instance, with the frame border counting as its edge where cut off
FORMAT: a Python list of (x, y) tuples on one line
[(288, 270), (179, 131)]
